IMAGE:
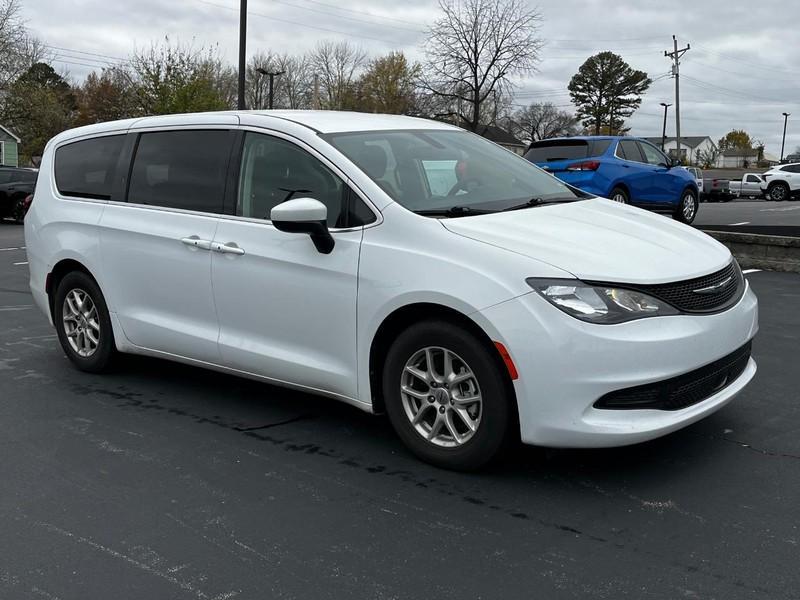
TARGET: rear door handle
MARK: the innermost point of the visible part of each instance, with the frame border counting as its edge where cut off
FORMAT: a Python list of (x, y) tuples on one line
[(195, 241), (227, 248)]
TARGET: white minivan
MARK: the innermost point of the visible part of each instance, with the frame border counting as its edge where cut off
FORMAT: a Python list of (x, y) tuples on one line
[(401, 265)]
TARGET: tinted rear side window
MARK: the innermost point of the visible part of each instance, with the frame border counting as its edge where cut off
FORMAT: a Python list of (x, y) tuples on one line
[(792, 169), (181, 169), (86, 168), (629, 150)]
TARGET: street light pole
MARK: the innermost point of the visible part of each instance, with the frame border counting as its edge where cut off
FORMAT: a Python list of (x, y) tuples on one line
[(272, 75), (783, 143), (242, 47), (664, 129)]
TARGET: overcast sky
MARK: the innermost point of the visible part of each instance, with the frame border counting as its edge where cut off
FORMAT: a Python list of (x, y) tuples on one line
[(742, 70)]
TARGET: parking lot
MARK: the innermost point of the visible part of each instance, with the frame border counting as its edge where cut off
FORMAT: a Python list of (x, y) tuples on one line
[(165, 481), (753, 216)]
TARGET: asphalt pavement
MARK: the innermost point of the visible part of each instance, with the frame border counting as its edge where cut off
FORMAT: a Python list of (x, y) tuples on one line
[(751, 216), (166, 481)]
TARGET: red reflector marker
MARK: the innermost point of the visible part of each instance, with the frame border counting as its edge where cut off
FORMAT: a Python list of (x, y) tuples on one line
[(512, 370)]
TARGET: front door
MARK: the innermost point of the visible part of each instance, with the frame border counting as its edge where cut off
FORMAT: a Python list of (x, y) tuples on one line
[(156, 246), (286, 311)]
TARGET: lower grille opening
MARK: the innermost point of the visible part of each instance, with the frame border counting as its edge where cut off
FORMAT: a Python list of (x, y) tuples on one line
[(681, 391)]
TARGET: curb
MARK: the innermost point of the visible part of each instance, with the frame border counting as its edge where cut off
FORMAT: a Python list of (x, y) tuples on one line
[(767, 252)]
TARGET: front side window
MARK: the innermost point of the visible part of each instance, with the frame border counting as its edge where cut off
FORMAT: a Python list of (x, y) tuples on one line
[(449, 170), (86, 168), (274, 170), (653, 156), (181, 169), (792, 169)]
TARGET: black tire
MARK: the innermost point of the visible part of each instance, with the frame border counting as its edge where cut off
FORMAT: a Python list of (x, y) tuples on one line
[(619, 194), (18, 210), (778, 192), (683, 213), (497, 411), (103, 356)]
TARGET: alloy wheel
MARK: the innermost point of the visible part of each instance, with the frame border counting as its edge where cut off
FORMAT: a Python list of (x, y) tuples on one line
[(441, 397), (619, 197), (688, 207), (777, 193), (81, 323)]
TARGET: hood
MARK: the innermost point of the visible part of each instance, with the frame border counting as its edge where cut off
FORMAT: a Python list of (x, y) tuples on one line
[(600, 240)]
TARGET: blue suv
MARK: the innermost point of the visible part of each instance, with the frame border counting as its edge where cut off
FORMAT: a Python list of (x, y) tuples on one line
[(624, 169)]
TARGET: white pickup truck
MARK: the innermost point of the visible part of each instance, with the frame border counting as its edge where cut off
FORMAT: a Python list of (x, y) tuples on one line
[(749, 186)]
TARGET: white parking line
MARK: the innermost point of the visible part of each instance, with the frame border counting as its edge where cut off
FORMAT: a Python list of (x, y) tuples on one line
[(746, 271), (784, 209), (20, 263), (10, 249), (742, 223)]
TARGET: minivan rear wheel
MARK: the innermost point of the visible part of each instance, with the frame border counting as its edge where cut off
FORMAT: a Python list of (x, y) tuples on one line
[(82, 323), (619, 194), (446, 396)]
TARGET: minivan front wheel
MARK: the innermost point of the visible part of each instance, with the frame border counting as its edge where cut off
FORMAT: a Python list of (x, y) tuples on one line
[(687, 209), (446, 396), (82, 323)]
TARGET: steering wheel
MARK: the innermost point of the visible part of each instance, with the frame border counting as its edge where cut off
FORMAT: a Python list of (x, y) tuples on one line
[(463, 184)]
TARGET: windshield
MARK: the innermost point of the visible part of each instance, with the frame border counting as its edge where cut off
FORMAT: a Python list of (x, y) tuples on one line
[(437, 170)]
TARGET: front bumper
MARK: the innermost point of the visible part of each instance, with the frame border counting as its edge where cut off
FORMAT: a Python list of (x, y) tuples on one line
[(566, 365)]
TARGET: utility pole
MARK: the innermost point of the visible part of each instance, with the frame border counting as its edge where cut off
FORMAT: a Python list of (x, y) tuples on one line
[(242, 47), (664, 129), (675, 55), (783, 143), (272, 75)]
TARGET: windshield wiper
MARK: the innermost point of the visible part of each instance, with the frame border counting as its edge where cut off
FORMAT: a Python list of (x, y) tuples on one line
[(539, 202), (453, 211)]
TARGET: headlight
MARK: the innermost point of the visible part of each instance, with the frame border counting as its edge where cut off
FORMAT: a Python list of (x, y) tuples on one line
[(599, 304)]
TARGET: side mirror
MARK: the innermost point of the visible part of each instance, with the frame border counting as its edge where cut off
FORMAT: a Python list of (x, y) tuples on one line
[(304, 215)]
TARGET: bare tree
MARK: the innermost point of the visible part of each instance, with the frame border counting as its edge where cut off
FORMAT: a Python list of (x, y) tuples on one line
[(293, 88), (540, 121), (18, 49), (337, 64), (256, 90), (474, 50)]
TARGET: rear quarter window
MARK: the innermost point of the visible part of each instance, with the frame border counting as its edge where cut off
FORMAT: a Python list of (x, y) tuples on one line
[(86, 168)]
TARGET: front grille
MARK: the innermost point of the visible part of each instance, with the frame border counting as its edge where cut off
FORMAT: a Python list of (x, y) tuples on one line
[(688, 296), (683, 390)]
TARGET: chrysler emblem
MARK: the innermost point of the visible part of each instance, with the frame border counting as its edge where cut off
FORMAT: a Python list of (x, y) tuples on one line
[(713, 289)]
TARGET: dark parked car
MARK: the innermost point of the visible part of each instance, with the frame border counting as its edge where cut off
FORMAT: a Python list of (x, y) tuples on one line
[(623, 169), (15, 185)]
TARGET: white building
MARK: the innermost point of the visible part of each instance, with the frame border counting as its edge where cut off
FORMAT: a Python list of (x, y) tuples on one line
[(690, 147), (737, 158)]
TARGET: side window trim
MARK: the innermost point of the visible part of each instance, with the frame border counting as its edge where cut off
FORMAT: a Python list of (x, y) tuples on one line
[(122, 174)]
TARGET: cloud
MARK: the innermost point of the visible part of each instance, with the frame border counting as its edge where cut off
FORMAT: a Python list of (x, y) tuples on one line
[(741, 72)]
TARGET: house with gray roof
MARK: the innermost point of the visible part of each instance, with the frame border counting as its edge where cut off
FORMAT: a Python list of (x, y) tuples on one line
[(690, 146)]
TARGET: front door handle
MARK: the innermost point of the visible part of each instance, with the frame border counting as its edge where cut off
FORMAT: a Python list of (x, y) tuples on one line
[(227, 248), (195, 241)]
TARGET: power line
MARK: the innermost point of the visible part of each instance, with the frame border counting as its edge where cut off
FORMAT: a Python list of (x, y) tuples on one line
[(263, 16), (326, 12), (744, 62), (362, 12), (117, 58)]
